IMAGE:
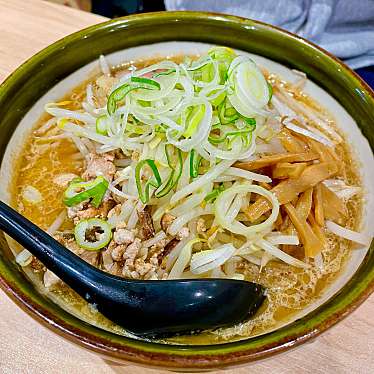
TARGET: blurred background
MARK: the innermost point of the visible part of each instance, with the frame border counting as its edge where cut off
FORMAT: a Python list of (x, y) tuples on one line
[(343, 27)]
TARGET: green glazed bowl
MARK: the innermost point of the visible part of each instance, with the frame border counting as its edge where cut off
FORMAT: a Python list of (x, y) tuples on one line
[(39, 74)]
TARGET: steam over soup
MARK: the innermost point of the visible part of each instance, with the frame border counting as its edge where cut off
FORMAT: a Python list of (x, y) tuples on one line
[(207, 167)]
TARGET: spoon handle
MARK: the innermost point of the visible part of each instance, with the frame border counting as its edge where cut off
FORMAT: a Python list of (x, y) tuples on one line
[(143, 307), (65, 264)]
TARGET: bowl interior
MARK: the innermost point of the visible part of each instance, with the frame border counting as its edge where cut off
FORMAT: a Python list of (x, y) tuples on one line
[(57, 69)]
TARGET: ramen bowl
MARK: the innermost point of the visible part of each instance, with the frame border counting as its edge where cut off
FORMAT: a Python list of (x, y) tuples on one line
[(56, 70)]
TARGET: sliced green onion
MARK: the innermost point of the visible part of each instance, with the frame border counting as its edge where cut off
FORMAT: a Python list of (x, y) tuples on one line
[(207, 73), (197, 65), (136, 129), (217, 100), (230, 112), (270, 91), (98, 228), (146, 81), (156, 182), (224, 56), (250, 89), (247, 138), (221, 139), (144, 104), (214, 194), (117, 95), (175, 173), (227, 115), (136, 83), (195, 163), (102, 125), (155, 141), (250, 121), (222, 53), (160, 129), (193, 120), (79, 191), (167, 72)]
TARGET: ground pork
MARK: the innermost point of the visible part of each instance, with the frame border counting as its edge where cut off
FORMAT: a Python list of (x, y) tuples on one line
[(116, 211), (123, 236), (135, 156), (161, 244), (131, 251), (200, 226), (102, 88), (124, 256), (118, 251), (183, 233), (107, 260), (100, 165), (86, 210), (144, 269), (166, 220)]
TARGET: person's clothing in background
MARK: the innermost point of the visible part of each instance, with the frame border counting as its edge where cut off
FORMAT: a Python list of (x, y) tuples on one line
[(117, 8), (114, 8), (343, 27)]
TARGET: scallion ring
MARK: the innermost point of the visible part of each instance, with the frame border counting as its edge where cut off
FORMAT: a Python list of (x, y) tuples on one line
[(210, 197), (135, 83), (175, 173), (224, 137), (193, 120), (146, 81), (270, 91), (156, 182), (102, 125), (227, 115), (167, 72), (79, 191), (96, 228), (195, 163)]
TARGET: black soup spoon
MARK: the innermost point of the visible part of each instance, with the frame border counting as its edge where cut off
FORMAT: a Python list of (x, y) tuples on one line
[(145, 308)]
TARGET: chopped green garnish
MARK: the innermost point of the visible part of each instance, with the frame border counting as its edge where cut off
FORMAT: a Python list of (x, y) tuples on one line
[(146, 81), (270, 91), (152, 182), (167, 72), (214, 194), (175, 172), (135, 83), (79, 191), (93, 227), (102, 125), (195, 162), (193, 120)]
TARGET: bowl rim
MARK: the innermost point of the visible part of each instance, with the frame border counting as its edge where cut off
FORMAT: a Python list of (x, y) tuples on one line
[(193, 357)]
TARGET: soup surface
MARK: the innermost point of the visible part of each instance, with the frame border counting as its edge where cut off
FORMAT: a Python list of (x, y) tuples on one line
[(281, 155)]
